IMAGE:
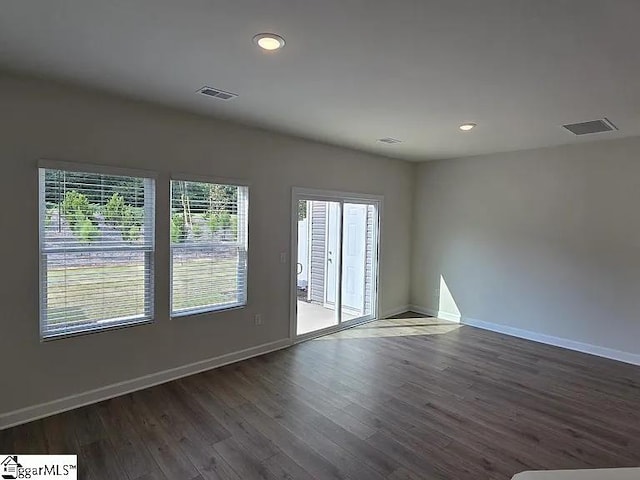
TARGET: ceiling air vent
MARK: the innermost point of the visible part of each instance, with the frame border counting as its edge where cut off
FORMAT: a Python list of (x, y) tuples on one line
[(215, 93), (389, 140), (592, 126)]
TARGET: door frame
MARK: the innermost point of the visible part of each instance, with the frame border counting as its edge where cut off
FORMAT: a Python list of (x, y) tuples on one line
[(302, 193)]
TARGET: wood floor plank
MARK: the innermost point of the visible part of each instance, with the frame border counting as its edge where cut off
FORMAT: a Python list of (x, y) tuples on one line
[(6, 440), (242, 432), (283, 467), (403, 474), (295, 418), (291, 445), (29, 439), (152, 476), (191, 442), (60, 438), (162, 446), (88, 426), (208, 427), (363, 451), (131, 450), (245, 465), (100, 462), (399, 399), (409, 458)]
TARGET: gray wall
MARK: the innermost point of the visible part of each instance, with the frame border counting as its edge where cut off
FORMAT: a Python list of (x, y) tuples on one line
[(43, 120), (545, 240)]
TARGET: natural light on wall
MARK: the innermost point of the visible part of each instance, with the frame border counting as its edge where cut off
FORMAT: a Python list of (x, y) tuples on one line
[(447, 307)]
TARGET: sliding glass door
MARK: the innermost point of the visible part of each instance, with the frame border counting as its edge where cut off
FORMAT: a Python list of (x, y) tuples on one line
[(335, 238)]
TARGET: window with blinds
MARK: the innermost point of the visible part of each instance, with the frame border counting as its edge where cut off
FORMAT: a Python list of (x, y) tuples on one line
[(96, 251), (208, 246)]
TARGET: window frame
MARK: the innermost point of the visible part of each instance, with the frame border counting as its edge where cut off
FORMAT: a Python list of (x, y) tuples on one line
[(149, 250), (183, 177)]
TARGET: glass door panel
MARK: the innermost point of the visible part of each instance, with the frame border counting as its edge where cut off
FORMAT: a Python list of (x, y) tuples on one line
[(358, 255), (318, 263)]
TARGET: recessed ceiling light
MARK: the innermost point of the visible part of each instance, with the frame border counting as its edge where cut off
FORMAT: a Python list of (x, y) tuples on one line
[(465, 127), (269, 41)]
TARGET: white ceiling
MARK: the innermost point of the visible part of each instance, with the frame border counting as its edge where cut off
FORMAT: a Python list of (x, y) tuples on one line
[(353, 71)]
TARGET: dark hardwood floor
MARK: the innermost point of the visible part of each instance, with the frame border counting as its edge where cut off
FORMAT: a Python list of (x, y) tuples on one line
[(395, 399)]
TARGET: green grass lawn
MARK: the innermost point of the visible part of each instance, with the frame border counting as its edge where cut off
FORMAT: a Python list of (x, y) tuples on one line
[(75, 295), (198, 282)]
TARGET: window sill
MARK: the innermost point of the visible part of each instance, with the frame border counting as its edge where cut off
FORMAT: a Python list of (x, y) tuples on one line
[(205, 310), (87, 330)]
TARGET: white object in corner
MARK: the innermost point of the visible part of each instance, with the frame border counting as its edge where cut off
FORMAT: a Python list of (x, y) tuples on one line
[(595, 474), (35, 412)]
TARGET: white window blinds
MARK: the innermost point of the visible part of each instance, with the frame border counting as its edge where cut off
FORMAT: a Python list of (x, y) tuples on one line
[(96, 251), (208, 246)]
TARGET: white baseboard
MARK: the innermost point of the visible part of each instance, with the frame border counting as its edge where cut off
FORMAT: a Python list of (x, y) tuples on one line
[(423, 310), (36, 412), (395, 311), (451, 317), (626, 357)]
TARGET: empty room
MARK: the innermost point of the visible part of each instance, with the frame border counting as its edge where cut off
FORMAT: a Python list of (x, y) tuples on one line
[(335, 240)]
